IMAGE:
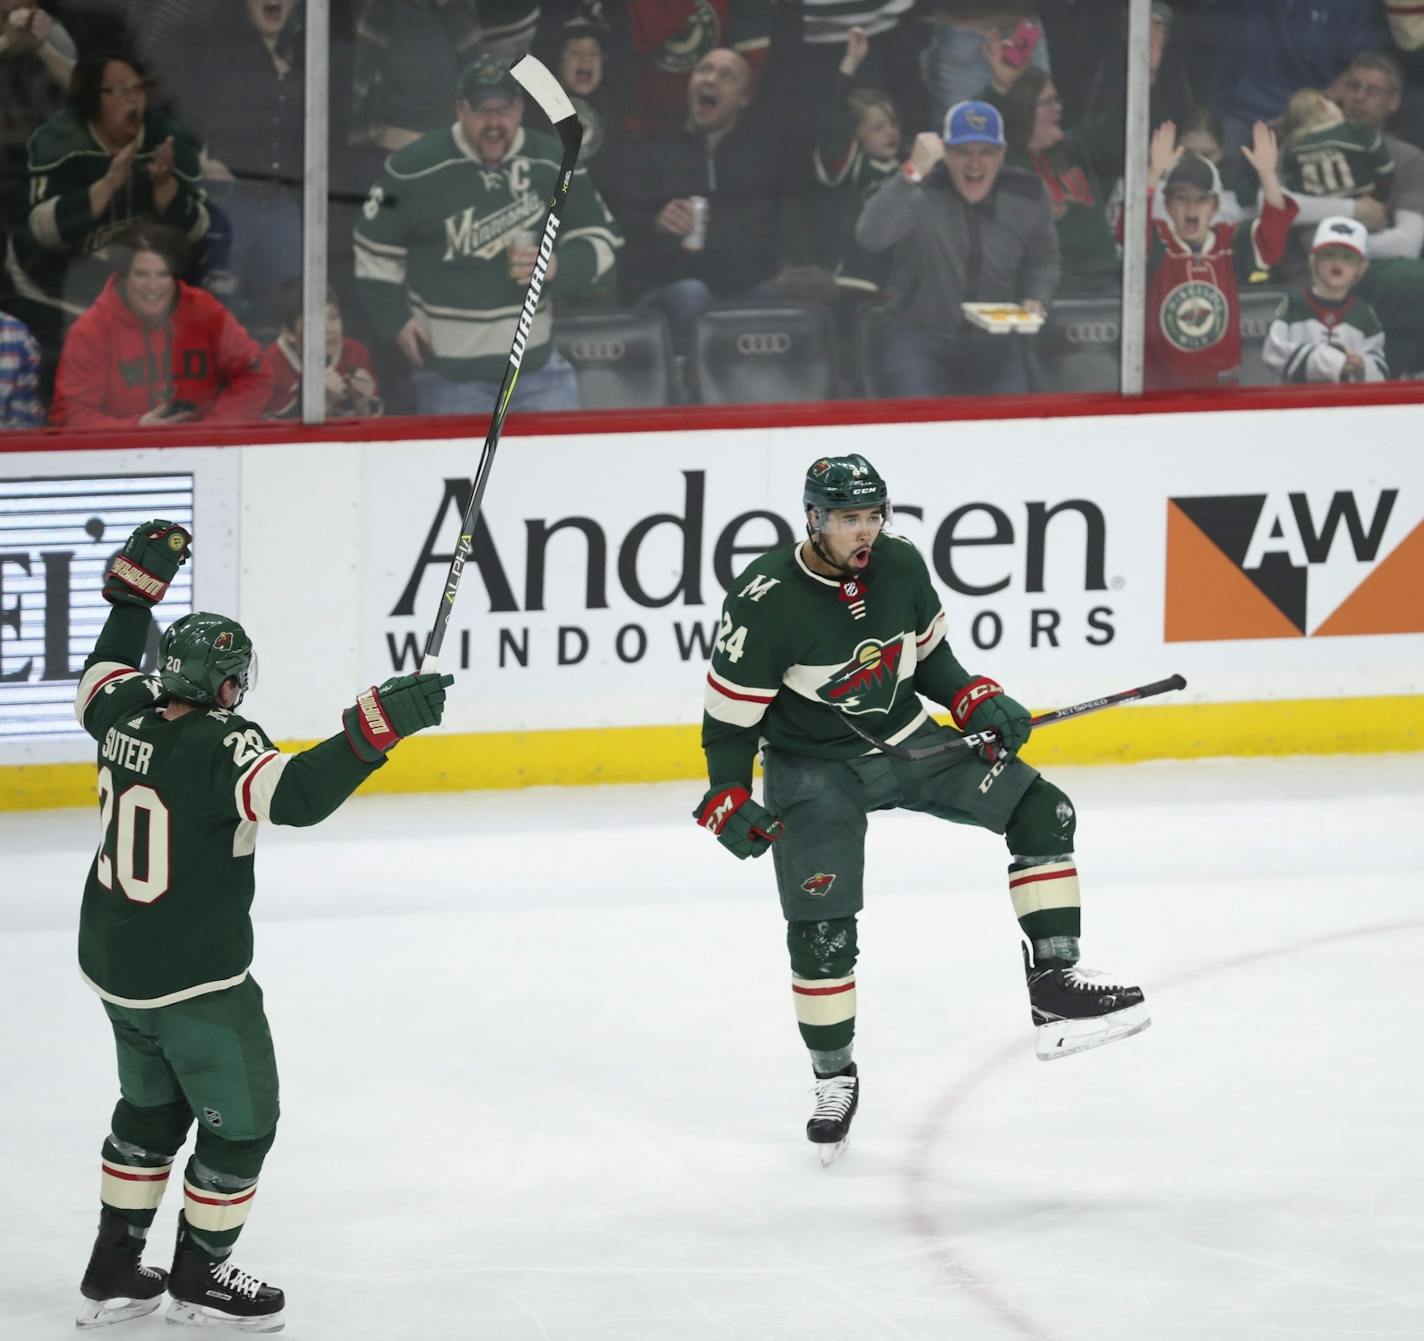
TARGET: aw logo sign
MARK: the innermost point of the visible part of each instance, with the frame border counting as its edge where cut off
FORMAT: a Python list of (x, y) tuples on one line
[(1293, 565)]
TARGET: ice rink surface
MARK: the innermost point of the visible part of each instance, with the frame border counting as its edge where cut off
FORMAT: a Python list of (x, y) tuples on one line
[(541, 1078)]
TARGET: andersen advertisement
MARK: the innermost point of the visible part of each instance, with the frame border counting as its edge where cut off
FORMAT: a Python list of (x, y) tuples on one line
[(1263, 555), (592, 591)]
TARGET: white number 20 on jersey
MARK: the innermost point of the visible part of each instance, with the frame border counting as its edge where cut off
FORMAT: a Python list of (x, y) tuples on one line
[(131, 802), (246, 746)]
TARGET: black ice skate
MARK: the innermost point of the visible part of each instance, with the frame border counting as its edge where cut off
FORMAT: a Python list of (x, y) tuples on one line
[(836, 1099), (219, 1294), (116, 1285), (1076, 1009)]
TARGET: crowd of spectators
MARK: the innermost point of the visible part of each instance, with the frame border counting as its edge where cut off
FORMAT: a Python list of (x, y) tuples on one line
[(900, 158)]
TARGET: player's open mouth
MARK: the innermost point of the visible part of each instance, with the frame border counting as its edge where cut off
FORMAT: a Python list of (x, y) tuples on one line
[(707, 101), (861, 557)]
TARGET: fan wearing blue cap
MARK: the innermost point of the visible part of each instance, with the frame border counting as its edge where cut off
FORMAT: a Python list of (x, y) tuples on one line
[(964, 228), (973, 148)]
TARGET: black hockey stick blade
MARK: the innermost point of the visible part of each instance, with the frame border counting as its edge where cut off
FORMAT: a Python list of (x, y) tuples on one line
[(974, 739), (534, 78)]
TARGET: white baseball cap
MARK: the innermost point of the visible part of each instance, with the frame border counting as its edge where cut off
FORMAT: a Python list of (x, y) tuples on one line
[(1338, 231)]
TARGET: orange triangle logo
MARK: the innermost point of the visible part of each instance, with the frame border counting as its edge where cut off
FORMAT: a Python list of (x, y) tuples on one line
[(1209, 597), (1389, 600)]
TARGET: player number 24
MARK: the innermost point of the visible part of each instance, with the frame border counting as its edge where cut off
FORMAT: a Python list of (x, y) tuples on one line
[(123, 811), (729, 642)]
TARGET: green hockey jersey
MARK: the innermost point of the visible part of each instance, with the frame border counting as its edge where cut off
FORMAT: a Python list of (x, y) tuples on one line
[(1310, 337), (47, 258), (797, 654), (433, 239), (167, 905), (1346, 159)]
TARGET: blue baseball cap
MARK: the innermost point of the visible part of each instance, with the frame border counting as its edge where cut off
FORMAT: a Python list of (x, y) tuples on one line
[(974, 123)]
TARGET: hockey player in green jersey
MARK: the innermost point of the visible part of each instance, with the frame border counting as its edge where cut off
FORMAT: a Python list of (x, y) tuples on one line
[(165, 929), (846, 624), (447, 242)]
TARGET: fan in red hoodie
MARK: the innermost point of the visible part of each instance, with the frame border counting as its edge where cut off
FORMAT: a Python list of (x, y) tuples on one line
[(153, 350), (1195, 267)]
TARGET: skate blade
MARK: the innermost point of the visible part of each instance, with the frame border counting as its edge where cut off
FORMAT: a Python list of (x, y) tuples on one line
[(196, 1315), (106, 1312), (830, 1151), (1062, 1038)]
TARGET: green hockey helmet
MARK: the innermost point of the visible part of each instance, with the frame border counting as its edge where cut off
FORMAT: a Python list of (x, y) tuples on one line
[(840, 482), (201, 651)]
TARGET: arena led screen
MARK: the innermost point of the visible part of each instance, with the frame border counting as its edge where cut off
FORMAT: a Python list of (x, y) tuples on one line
[(57, 535)]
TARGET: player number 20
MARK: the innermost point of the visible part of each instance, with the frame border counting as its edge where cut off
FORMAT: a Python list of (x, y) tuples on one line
[(729, 642), (123, 811)]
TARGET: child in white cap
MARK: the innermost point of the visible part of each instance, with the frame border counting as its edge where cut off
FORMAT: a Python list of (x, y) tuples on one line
[(1327, 332)]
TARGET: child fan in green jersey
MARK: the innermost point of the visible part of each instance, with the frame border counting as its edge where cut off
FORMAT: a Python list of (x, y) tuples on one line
[(1323, 154), (165, 928), (845, 625)]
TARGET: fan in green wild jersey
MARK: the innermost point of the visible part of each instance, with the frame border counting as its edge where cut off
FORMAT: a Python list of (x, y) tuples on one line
[(846, 625), (447, 243), (165, 929)]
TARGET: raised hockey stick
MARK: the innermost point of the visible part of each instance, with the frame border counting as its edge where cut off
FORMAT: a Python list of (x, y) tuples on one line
[(535, 79), (976, 738)]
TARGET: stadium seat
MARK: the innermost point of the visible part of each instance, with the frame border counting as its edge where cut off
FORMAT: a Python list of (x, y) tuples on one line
[(1080, 345), (623, 360), (1258, 306), (763, 355)]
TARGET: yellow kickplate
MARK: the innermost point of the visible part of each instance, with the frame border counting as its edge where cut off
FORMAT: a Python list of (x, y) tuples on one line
[(1130, 734)]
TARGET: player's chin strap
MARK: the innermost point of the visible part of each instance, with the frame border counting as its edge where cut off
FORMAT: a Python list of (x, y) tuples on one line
[(826, 558)]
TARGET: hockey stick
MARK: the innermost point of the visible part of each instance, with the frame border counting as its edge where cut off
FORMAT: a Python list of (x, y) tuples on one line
[(977, 738), (540, 85)]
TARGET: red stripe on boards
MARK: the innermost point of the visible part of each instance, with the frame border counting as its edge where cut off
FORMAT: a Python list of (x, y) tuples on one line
[(822, 991), (137, 1177), (218, 1201), (743, 698), (1048, 875)]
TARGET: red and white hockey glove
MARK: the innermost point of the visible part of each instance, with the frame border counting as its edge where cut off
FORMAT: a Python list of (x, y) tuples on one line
[(142, 570), (402, 706), (982, 705), (743, 827)]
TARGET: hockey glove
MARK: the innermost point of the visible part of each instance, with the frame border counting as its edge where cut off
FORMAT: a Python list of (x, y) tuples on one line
[(741, 826), (402, 706), (142, 570), (982, 705)]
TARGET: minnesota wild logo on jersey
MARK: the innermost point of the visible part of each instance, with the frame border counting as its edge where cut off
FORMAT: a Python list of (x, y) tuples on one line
[(796, 655), (691, 42), (868, 681)]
